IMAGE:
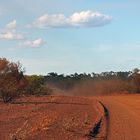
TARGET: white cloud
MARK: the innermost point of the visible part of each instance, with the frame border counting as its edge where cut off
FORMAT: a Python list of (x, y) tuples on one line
[(81, 19), (10, 32), (12, 25), (33, 43), (11, 35), (89, 19)]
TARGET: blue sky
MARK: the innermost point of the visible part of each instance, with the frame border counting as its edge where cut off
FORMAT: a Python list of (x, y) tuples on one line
[(71, 36)]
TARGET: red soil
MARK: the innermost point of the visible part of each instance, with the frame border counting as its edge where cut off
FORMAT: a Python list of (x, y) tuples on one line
[(70, 118), (48, 118), (124, 116)]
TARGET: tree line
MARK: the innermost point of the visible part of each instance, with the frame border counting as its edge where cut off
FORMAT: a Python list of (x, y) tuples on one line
[(14, 83), (68, 81), (94, 83)]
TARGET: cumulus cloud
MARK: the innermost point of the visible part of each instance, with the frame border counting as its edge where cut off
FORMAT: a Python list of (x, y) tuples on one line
[(12, 25), (10, 32), (33, 43), (81, 19), (11, 35)]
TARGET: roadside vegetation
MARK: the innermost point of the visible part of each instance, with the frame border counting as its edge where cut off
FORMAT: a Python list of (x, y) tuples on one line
[(105, 83), (14, 83)]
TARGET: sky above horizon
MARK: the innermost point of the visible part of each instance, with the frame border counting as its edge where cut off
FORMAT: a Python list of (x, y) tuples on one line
[(71, 36)]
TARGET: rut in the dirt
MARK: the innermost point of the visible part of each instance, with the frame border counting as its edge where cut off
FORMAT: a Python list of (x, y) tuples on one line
[(96, 129), (98, 126)]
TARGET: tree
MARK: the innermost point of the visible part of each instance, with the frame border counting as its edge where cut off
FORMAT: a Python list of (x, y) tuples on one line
[(135, 77), (12, 80), (35, 84)]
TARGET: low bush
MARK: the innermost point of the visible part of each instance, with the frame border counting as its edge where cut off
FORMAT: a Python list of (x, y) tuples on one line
[(36, 86), (12, 80)]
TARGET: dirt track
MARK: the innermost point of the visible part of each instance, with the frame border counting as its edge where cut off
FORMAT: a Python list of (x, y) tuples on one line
[(124, 117), (71, 118)]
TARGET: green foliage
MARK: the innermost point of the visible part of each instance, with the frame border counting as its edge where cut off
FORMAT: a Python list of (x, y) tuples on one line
[(69, 81), (36, 86), (13, 82), (105, 82)]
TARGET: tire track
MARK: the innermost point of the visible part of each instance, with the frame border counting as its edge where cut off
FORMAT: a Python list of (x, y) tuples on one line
[(103, 123), (106, 117)]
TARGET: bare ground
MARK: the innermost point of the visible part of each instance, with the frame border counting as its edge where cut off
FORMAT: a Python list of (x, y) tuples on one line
[(71, 118), (124, 116), (49, 118)]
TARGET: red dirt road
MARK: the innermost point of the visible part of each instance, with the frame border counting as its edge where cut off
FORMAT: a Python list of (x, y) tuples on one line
[(71, 118), (124, 117)]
